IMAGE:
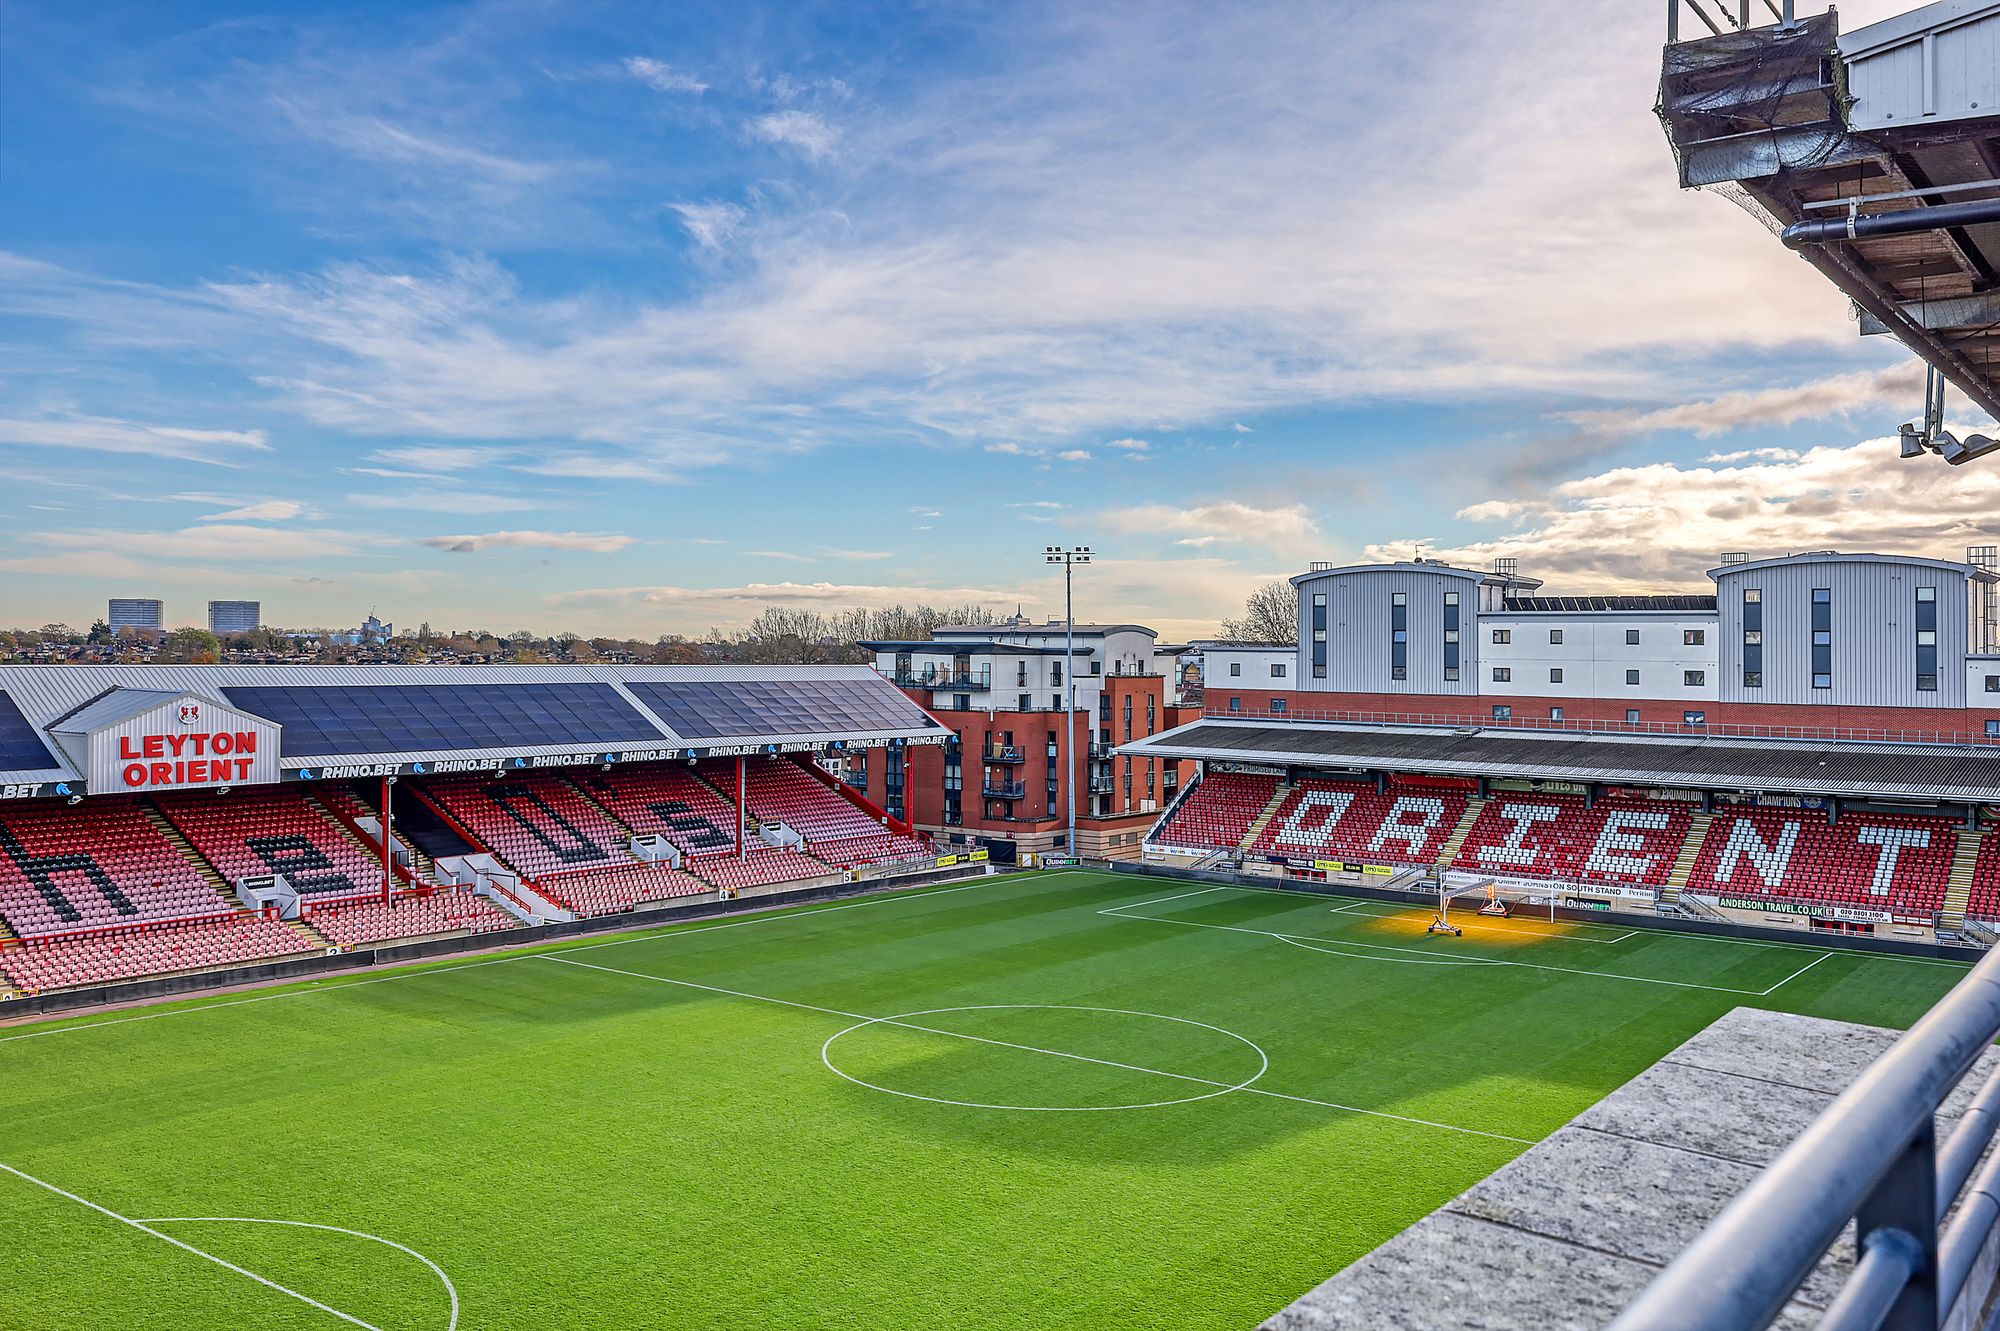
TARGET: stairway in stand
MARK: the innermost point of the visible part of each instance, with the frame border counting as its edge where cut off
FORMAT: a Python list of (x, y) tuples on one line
[(165, 825), (1263, 819), (1697, 836), (1958, 888), (1452, 844)]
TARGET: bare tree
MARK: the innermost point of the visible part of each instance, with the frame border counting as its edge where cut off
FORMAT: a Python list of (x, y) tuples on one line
[(1270, 614)]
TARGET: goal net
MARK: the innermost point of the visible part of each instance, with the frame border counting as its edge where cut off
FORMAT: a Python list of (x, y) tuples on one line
[(1464, 899)]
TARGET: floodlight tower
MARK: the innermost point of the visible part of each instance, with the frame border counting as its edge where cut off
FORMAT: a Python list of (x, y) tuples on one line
[(1069, 559)]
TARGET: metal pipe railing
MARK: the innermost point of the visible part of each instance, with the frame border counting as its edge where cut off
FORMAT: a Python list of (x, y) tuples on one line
[(1683, 730), (1872, 1158)]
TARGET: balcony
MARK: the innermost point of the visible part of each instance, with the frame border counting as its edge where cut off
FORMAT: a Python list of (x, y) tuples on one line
[(1008, 791), (1103, 749), (1101, 785), (1006, 753), (942, 679)]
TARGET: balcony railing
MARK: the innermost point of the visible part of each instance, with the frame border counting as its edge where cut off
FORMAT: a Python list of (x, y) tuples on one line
[(1013, 791), (1006, 753), (1101, 785), (1851, 734), (941, 679), (1872, 1158)]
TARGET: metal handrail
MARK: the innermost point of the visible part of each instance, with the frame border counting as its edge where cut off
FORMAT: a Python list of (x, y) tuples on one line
[(1737, 730), (1872, 1158)]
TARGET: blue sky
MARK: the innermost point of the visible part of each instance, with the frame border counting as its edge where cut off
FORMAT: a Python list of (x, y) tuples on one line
[(632, 319)]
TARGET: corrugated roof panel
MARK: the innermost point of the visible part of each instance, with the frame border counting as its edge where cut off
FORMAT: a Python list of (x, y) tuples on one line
[(21, 747), (705, 710), (1969, 774), (349, 722)]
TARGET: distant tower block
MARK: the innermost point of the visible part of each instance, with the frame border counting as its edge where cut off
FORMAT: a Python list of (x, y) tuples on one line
[(1735, 557), (1506, 567)]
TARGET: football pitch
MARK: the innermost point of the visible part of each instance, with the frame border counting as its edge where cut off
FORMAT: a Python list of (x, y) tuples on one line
[(1069, 1099)]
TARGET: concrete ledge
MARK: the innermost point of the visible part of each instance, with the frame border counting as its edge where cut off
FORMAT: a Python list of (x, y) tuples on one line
[(1564, 1236)]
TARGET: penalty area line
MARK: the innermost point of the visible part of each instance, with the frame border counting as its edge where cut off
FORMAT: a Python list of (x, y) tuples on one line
[(225, 1264)]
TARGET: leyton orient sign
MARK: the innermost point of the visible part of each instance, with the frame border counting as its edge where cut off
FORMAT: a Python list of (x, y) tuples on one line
[(190, 742)]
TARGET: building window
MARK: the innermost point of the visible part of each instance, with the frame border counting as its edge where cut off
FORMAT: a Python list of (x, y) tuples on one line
[(1631, 716), (1822, 638), (1451, 661), (1631, 677), (1277, 704), (1753, 638), (1501, 637), (1993, 683), (1555, 713), (1993, 730), (1555, 637), (1235, 668), (1631, 637), (1027, 702), (1694, 679), (1694, 718), (1502, 675), (1555, 675), (1502, 712), (1693, 637), (1277, 670), (1319, 635), (1235, 704), (1927, 657), (1399, 635)]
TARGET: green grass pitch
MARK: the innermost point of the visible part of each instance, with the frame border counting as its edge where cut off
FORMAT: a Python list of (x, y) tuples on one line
[(1214, 1098)]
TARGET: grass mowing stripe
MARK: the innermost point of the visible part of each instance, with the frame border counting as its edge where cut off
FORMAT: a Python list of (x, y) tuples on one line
[(1058, 1053), (144, 1228)]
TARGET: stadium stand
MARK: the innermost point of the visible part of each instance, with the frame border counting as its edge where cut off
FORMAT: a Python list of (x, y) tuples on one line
[(157, 950), (834, 830), (758, 868), (1217, 813), (275, 830), (359, 923), (1557, 837), (101, 865), (1895, 862), (1351, 818), (1984, 900), (537, 823), (668, 802), (616, 888)]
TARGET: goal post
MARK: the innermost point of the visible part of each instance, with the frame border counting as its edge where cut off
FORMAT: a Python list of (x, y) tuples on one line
[(1464, 898)]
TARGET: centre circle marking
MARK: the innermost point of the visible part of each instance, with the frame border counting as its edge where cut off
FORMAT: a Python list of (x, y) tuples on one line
[(901, 1019)]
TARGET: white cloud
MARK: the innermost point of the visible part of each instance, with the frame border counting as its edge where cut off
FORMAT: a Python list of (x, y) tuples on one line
[(446, 501), (709, 224), (217, 552), (690, 609), (105, 434), (1241, 428), (803, 130), (923, 512), (1899, 386), (270, 510), (1073, 455), (1287, 528), (1663, 524), (441, 457), (662, 77), (1131, 445), (602, 543)]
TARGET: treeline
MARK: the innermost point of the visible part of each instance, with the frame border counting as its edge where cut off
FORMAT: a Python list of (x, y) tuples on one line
[(777, 636)]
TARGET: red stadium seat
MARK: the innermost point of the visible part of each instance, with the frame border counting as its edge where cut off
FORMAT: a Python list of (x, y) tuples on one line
[(1895, 862), (1217, 812), (97, 865)]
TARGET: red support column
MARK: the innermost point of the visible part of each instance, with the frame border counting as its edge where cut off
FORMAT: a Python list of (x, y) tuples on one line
[(741, 787), (382, 824)]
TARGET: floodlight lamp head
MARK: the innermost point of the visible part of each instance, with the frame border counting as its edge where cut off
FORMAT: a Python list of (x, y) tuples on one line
[(1974, 446), (1912, 441)]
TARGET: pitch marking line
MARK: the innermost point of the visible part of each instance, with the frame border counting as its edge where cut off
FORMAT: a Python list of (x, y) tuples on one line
[(309, 991), (1032, 1049), (1263, 1059), (451, 1290), (1308, 941), (145, 1228), (1667, 932)]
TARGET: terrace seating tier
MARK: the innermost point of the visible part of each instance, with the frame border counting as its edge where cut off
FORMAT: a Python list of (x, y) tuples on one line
[(274, 830), (1217, 812), (1895, 862), (95, 866), (103, 958)]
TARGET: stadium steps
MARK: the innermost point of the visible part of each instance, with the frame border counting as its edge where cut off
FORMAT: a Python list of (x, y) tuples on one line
[(1456, 841), (165, 826), (1958, 888), (1684, 862), (1263, 820), (583, 793), (310, 934)]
